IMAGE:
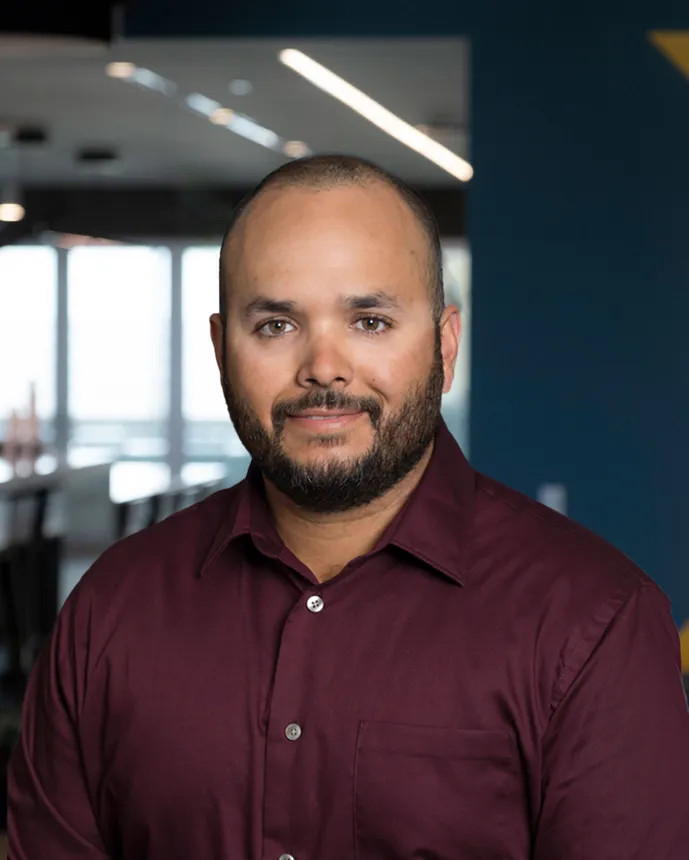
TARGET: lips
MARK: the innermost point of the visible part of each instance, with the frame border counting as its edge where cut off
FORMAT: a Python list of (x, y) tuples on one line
[(326, 414), (324, 420)]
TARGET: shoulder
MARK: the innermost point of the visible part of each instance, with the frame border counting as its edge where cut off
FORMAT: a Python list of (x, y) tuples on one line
[(560, 586), (172, 551), (547, 547), (137, 585)]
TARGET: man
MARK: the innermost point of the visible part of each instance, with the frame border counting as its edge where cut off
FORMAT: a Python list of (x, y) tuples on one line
[(366, 649)]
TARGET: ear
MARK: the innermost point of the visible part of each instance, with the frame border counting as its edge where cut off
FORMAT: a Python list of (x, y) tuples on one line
[(450, 333), (218, 338)]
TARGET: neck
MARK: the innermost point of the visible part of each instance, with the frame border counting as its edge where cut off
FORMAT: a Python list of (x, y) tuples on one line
[(326, 543)]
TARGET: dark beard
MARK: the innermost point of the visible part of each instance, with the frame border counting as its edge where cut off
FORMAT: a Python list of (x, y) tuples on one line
[(400, 441)]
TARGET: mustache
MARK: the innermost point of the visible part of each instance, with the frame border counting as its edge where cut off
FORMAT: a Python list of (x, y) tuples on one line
[(326, 399)]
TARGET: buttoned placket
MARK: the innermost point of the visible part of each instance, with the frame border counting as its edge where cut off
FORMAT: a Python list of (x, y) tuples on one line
[(288, 724)]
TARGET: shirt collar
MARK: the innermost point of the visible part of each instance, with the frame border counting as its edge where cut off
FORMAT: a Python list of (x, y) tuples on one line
[(248, 514), (434, 525)]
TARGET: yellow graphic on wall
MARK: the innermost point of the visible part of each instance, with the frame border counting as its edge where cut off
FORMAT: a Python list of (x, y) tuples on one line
[(674, 44)]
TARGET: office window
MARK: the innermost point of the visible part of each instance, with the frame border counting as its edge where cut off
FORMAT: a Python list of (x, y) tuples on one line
[(209, 433), (28, 318), (119, 348)]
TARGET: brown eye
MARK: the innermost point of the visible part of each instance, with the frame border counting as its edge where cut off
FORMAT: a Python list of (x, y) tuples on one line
[(273, 328), (373, 325)]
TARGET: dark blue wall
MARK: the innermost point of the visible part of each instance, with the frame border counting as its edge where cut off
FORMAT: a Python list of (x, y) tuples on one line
[(580, 233), (579, 226)]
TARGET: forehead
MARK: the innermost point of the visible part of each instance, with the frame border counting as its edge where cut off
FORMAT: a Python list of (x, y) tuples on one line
[(339, 238)]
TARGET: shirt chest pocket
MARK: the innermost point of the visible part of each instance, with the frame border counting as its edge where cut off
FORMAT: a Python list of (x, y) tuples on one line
[(435, 793)]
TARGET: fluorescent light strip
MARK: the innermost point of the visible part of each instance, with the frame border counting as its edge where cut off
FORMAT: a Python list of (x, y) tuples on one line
[(223, 117), (242, 125), (251, 130), (153, 81), (133, 74), (374, 112), (202, 104), (238, 123)]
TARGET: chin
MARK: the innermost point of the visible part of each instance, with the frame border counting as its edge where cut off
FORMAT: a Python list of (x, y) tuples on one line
[(322, 448), (327, 449)]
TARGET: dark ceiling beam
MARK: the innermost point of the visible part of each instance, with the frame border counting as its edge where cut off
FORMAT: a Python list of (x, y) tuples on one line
[(68, 19), (139, 213)]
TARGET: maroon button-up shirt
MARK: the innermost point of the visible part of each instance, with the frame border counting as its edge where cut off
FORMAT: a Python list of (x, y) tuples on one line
[(491, 682)]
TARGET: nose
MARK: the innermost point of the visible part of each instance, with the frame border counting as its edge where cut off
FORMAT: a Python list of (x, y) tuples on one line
[(324, 362)]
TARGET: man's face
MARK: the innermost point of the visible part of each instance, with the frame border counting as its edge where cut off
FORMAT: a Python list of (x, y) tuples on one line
[(332, 365)]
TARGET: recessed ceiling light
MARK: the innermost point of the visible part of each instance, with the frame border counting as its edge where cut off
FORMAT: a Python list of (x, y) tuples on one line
[(120, 70), (11, 203), (296, 149), (221, 116), (240, 87), (11, 212), (375, 113)]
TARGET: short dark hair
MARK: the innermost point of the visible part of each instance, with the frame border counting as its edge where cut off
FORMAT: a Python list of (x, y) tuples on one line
[(323, 172)]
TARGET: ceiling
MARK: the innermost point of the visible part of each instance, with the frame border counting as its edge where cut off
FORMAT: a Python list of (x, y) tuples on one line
[(161, 142)]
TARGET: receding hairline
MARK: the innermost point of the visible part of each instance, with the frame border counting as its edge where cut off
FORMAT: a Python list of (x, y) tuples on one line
[(328, 172), (315, 185)]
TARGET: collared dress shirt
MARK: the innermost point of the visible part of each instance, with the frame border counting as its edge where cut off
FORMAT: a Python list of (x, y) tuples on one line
[(490, 682)]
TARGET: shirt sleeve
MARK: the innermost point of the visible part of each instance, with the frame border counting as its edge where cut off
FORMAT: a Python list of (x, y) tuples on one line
[(50, 814), (615, 763)]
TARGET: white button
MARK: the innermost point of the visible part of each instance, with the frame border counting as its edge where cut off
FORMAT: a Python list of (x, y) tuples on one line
[(293, 732), (285, 857), (315, 603)]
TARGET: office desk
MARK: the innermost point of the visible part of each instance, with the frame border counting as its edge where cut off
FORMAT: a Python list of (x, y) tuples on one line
[(78, 497), (86, 491)]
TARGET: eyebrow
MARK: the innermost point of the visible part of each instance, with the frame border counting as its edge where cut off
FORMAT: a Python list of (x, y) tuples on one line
[(368, 301), (380, 299), (262, 304)]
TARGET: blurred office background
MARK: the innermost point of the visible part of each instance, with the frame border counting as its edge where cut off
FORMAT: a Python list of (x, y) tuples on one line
[(566, 250)]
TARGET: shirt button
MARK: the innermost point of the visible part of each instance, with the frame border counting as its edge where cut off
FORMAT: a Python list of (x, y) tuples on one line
[(293, 732), (285, 857), (315, 603)]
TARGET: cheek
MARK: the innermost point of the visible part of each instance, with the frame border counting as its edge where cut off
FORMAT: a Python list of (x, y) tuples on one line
[(392, 375), (259, 382)]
